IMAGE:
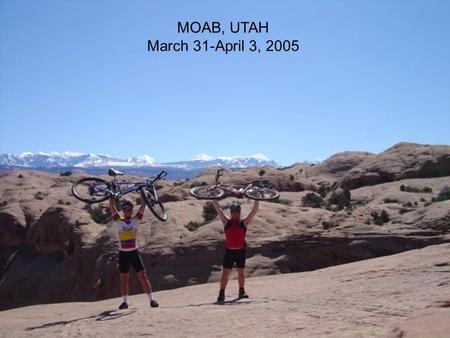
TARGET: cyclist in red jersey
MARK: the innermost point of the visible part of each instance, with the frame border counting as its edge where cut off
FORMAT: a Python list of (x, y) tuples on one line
[(235, 231)]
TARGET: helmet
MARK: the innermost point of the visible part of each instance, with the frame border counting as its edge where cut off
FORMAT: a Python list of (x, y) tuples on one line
[(126, 204), (235, 206)]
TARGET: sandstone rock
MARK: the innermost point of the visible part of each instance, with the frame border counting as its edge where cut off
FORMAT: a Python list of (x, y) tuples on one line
[(402, 161)]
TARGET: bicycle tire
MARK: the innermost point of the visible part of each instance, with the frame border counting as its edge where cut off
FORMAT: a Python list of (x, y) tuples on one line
[(156, 207), (206, 192), (87, 196), (261, 194)]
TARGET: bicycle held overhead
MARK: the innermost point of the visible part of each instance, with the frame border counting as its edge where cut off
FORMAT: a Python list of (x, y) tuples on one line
[(95, 190), (256, 190)]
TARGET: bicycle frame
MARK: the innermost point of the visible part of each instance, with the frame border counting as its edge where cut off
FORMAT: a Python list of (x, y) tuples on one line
[(116, 184), (234, 190)]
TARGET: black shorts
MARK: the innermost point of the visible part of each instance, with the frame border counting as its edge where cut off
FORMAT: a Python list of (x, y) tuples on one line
[(234, 256), (127, 258)]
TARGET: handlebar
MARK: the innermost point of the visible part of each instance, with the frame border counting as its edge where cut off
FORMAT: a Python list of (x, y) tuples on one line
[(161, 175), (219, 173)]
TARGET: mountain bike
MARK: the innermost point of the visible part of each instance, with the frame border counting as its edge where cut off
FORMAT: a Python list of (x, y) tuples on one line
[(95, 190), (256, 190)]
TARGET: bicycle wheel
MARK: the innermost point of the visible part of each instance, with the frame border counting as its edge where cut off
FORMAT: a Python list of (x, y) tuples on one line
[(261, 194), (156, 207), (207, 192), (91, 190)]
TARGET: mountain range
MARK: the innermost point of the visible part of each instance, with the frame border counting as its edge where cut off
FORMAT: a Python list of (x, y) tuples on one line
[(140, 165)]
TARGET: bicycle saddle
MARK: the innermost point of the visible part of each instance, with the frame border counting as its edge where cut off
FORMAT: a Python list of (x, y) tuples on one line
[(114, 172)]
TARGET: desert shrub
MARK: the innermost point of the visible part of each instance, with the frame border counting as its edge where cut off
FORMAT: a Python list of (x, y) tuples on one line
[(178, 183), (341, 198), (380, 218), (66, 173), (390, 200), (408, 204), (209, 212), (99, 214), (404, 210), (20, 176), (444, 194), (261, 172), (416, 203), (291, 177), (329, 224), (192, 226), (423, 200), (39, 196), (312, 200), (408, 188), (60, 202), (324, 189)]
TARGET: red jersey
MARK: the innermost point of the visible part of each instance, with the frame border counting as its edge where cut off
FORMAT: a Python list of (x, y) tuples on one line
[(235, 234)]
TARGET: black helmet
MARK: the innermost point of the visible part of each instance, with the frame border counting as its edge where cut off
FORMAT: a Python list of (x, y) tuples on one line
[(235, 206), (126, 204)]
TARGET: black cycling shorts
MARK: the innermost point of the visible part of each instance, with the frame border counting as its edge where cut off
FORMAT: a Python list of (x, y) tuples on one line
[(127, 258), (234, 256)]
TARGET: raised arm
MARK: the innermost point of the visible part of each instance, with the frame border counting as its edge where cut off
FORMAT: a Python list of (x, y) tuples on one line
[(223, 218), (112, 206), (140, 212), (252, 214)]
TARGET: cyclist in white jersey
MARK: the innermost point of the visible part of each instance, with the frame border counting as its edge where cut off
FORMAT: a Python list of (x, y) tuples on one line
[(127, 226)]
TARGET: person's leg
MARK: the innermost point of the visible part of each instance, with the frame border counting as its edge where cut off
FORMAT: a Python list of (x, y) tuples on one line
[(240, 264), (228, 261), (124, 267), (124, 289), (224, 280), (138, 266), (142, 276), (223, 284), (124, 284), (241, 277)]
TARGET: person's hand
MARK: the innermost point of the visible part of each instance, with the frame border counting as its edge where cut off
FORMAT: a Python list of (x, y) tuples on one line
[(138, 201)]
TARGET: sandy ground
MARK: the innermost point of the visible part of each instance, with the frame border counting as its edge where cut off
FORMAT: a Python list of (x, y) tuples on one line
[(362, 299)]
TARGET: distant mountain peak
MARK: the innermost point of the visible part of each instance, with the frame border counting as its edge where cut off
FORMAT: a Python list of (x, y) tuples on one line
[(69, 159), (206, 157)]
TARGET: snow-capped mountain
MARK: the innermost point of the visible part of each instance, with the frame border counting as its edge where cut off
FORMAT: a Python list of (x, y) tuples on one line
[(207, 161), (54, 160), (70, 159)]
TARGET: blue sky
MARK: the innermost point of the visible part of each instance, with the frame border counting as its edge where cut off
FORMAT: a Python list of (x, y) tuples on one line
[(76, 76)]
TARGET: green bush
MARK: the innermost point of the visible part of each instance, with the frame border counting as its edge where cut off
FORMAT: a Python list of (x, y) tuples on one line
[(390, 200), (99, 214), (444, 194), (404, 210), (209, 212), (312, 200), (380, 218), (192, 226), (408, 188), (323, 190), (341, 198)]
